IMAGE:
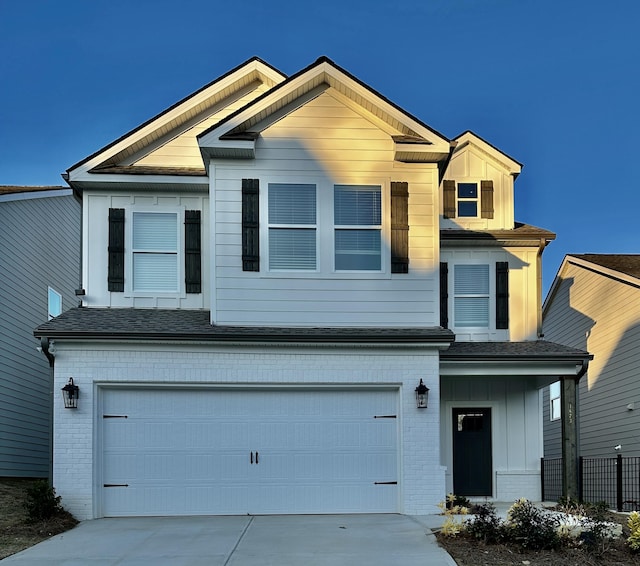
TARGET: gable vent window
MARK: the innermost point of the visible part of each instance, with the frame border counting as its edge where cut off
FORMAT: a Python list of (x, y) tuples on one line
[(292, 226), (155, 251), (471, 296), (358, 220)]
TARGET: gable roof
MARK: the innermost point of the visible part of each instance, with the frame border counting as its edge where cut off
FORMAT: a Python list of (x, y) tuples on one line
[(624, 268), (114, 157), (468, 138), (235, 135)]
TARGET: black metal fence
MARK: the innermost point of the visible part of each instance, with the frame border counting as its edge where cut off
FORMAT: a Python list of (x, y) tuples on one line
[(614, 480)]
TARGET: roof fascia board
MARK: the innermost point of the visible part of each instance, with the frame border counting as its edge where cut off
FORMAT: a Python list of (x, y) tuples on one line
[(31, 195), (173, 112), (520, 366), (176, 183)]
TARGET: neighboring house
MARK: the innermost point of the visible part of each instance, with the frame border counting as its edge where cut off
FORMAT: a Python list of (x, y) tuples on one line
[(594, 304), (39, 271), (271, 268)]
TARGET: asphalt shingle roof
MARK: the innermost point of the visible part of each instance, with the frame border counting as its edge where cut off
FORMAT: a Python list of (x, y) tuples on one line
[(139, 324), (628, 264)]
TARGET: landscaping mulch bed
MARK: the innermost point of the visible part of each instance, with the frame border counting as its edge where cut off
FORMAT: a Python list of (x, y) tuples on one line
[(467, 551), (16, 533)]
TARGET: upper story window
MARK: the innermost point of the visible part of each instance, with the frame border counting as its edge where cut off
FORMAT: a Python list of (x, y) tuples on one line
[(555, 407), (477, 294), (292, 226), (358, 221), (469, 199), (471, 296), (54, 300), (155, 252), (325, 228)]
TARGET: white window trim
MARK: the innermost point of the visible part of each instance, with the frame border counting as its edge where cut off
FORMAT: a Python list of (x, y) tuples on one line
[(492, 297), (477, 181), (325, 227), (128, 258)]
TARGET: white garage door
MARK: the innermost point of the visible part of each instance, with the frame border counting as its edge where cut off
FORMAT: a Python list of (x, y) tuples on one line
[(210, 452)]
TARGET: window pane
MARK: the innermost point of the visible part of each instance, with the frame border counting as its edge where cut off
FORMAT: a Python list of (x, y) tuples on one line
[(55, 303), (467, 190), (155, 231), (358, 250), (472, 311), (292, 204), (467, 208), (155, 272), (291, 248), (357, 205), (471, 280)]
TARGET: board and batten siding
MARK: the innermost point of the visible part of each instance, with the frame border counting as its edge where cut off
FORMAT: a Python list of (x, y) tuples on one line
[(472, 165), (40, 238), (324, 142), (523, 291), (597, 313), (96, 239), (516, 430)]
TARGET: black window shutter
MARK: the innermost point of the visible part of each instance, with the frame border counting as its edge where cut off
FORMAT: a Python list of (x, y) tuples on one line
[(115, 270), (502, 294), (250, 225), (449, 199), (486, 199), (192, 251), (444, 295), (399, 227)]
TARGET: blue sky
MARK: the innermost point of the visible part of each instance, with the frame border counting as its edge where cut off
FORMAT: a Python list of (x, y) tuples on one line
[(553, 83)]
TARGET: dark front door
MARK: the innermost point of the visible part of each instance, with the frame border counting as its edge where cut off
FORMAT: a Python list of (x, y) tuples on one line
[(472, 454)]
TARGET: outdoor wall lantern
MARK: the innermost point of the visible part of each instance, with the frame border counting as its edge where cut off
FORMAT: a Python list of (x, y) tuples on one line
[(422, 395), (70, 394)]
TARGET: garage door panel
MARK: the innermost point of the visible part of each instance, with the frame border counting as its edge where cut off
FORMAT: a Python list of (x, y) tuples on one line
[(194, 451)]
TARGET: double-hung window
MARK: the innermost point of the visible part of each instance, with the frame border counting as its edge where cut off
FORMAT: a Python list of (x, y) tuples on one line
[(555, 407), (358, 227), (292, 226), (468, 200), (155, 252), (471, 296)]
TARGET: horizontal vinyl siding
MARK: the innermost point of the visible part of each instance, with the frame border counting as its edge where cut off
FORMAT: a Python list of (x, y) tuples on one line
[(326, 143), (601, 315), (40, 248)]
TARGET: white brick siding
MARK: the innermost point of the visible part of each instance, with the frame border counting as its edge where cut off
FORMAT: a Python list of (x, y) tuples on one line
[(76, 443)]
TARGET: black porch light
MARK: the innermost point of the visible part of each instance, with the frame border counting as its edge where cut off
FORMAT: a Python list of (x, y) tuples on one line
[(422, 395), (70, 394)]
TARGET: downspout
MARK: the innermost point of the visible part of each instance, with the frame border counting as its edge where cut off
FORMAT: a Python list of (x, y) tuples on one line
[(45, 346), (541, 247)]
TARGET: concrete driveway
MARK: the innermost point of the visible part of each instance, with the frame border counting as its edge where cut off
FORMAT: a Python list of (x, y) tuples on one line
[(282, 540)]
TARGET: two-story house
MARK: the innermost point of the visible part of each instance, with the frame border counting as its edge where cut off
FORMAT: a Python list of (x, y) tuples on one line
[(39, 271), (273, 269)]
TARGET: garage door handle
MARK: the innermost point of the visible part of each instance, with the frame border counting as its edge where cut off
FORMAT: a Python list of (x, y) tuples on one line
[(257, 461), (252, 457)]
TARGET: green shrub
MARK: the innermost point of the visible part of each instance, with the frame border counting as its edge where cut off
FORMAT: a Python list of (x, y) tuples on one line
[(42, 502), (486, 525), (530, 527)]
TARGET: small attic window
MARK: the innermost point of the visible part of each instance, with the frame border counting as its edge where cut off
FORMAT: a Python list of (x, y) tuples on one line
[(467, 200)]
